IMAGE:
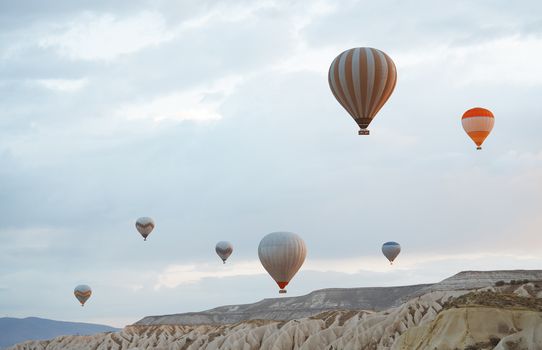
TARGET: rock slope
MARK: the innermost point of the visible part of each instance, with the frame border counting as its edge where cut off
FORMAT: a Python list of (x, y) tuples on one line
[(507, 316), (466, 280), (294, 307)]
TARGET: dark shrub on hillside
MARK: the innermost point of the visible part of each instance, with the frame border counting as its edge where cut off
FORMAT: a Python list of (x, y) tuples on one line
[(472, 347), (499, 283), (493, 341)]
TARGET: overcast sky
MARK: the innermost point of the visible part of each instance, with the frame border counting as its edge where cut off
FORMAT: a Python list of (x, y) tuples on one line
[(216, 119)]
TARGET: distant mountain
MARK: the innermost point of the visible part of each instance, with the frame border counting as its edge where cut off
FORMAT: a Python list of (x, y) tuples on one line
[(467, 311), (16, 330), (372, 298)]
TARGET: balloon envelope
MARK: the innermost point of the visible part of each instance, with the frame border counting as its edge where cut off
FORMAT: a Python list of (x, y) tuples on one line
[(282, 254), (362, 79), (478, 123), (391, 250), (224, 250), (144, 226), (82, 293)]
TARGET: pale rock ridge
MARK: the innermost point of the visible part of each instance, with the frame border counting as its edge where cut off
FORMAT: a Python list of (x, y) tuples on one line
[(468, 280), (452, 329), (504, 317), (345, 329), (372, 298)]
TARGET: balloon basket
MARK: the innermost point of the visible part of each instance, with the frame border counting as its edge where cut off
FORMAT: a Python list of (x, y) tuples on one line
[(479, 148), (282, 291), (363, 132)]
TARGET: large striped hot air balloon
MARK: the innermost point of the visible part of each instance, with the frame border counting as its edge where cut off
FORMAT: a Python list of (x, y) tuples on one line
[(478, 123), (224, 250), (282, 254), (82, 293), (144, 226), (362, 79), (391, 250)]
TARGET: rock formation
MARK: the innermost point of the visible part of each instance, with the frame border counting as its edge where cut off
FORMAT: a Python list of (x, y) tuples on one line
[(507, 316)]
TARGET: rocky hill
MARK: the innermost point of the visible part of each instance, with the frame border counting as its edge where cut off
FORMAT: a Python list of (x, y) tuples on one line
[(373, 299), (289, 308), (507, 316), (478, 279)]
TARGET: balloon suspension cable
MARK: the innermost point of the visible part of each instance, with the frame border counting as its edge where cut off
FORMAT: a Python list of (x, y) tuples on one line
[(282, 291), (363, 132), (479, 148)]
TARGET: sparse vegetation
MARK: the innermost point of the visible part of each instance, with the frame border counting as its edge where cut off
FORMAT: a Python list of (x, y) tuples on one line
[(473, 347), (498, 300), (513, 283)]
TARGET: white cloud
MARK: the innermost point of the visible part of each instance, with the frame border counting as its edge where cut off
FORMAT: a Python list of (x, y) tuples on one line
[(228, 12), (516, 158), (505, 60), (316, 60), (104, 37), (510, 59), (176, 275), (33, 239), (63, 85), (200, 104)]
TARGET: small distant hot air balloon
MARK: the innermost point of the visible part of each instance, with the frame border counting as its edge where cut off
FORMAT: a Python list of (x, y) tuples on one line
[(224, 250), (282, 254), (478, 123), (391, 250), (82, 293), (362, 79), (145, 226)]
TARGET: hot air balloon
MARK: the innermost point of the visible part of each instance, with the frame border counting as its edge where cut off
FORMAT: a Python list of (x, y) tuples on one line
[(362, 79), (224, 250), (82, 293), (391, 250), (478, 123), (282, 254), (145, 226)]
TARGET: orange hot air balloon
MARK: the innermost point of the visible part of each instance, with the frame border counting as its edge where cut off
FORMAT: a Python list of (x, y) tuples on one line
[(362, 79), (478, 123)]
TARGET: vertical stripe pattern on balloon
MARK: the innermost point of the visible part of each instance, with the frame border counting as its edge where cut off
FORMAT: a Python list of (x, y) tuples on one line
[(362, 79)]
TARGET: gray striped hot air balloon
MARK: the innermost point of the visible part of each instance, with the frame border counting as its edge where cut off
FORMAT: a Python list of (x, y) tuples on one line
[(391, 250), (362, 79), (282, 254), (82, 293), (224, 250), (144, 226)]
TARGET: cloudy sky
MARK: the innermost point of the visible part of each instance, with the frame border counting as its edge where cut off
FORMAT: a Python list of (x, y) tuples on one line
[(216, 119)]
